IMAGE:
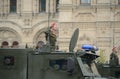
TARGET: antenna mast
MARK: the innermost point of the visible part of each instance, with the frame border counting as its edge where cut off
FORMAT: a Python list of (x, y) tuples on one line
[(48, 40), (48, 13)]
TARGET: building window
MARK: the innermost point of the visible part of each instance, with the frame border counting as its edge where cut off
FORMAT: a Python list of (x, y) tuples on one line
[(42, 5), (85, 1), (118, 1), (57, 5), (13, 5)]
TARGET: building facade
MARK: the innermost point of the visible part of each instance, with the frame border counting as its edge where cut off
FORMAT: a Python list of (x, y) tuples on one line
[(26, 20)]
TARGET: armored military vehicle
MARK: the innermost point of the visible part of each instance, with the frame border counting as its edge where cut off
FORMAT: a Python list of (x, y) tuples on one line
[(45, 64)]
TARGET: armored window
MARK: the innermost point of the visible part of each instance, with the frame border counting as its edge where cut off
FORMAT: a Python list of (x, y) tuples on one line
[(57, 5), (13, 5), (42, 5), (85, 1)]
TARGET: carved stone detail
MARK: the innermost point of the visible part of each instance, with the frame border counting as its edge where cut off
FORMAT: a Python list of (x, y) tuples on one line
[(27, 31), (28, 21)]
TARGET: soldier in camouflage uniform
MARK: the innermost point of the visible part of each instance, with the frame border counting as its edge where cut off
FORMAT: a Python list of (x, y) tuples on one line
[(114, 60), (51, 36), (52, 39)]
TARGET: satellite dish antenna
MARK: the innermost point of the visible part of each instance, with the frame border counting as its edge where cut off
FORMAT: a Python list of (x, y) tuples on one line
[(73, 40)]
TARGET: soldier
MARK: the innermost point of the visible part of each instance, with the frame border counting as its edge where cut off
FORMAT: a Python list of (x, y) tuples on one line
[(114, 60), (51, 36)]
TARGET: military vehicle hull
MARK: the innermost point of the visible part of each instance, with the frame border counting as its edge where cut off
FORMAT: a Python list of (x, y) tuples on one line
[(29, 64)]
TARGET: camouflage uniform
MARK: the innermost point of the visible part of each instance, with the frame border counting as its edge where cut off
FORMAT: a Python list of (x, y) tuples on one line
[(114, 60), (52, 40), (51, 36)]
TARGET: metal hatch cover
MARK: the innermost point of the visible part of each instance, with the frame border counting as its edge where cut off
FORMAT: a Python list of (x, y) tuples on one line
[(73, 40)]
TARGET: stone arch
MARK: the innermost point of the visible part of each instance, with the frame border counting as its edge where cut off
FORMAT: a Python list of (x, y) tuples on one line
[(43, 22), (39, 29), (9, 35), (13, 25), (40, 36)]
